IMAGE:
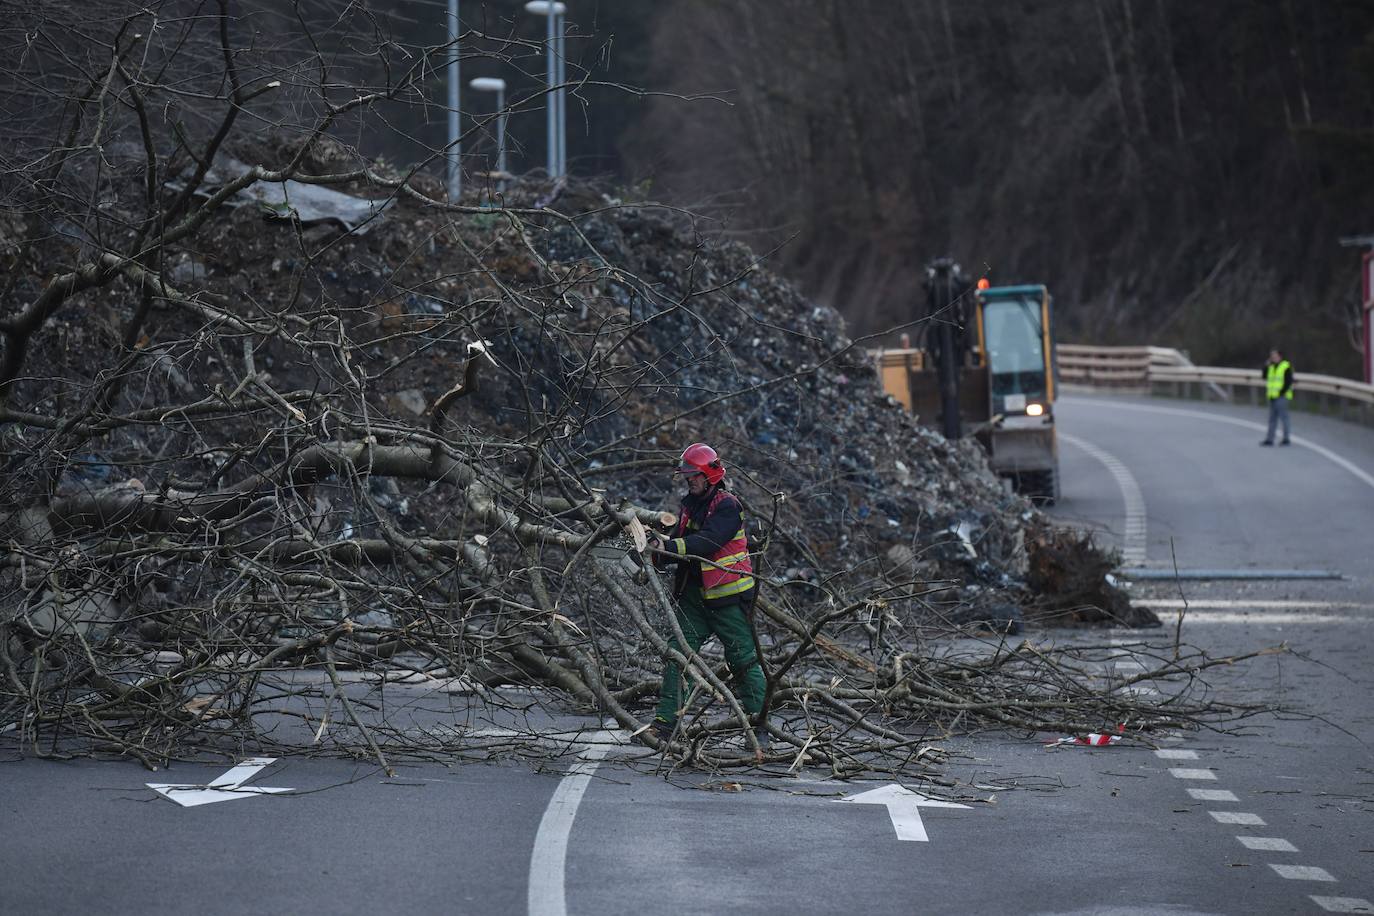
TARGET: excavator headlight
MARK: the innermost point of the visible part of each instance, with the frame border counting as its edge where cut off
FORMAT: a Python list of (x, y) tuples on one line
[(1035, 410)]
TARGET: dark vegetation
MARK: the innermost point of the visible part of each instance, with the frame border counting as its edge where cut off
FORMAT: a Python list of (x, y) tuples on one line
[(1177, 173)]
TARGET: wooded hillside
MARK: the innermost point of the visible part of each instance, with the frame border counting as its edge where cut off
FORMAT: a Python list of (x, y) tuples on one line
[(1176, 172)]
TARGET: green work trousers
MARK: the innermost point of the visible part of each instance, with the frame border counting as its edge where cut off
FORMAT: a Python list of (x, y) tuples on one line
[(698, 622)]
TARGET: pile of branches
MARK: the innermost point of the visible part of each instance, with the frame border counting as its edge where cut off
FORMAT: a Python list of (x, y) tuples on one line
[(421, 445)]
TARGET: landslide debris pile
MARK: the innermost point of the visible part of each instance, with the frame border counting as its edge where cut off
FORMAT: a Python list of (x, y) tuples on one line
[(419, 440)]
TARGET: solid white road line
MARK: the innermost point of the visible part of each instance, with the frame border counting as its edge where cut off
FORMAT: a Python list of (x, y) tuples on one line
[(1267, 843), (1133, 536), (1213, 794), (1194, 604), (1343, 904), (1277, 618), (1185, 773), (1237, 817), (1247, 424), (1302, 872), (1175, 754), (548, 861)]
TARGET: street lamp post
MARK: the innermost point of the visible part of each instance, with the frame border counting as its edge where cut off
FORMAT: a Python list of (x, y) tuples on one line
[(455, 144), (554, 72), (498, 86), (562, 92)]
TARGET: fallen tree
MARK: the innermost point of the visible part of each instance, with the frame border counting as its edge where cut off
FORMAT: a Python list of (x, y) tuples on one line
[(237, 444)]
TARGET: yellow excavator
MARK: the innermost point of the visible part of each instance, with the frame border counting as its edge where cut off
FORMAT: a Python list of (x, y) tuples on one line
[(985, 365)]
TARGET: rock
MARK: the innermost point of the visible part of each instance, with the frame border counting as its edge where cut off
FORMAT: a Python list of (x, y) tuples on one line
[(373, 618), (900, 562), (412, 400), (188, 271)]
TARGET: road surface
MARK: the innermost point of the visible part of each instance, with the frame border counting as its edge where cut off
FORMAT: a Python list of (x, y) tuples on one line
[(1277, 820)]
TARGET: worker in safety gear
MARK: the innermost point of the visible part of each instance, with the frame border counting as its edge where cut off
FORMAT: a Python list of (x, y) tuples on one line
[(714, 585), (1278, 384)]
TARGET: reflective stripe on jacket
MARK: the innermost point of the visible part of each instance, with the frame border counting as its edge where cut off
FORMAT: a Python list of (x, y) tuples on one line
[(1275, 374), (726, 577)]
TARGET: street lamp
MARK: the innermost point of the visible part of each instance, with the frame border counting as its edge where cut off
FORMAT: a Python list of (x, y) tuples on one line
[(498, 86), (555, 72), (455, 145)]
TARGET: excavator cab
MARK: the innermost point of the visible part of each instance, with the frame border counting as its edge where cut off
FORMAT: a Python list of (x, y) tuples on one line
[(1015, 344)]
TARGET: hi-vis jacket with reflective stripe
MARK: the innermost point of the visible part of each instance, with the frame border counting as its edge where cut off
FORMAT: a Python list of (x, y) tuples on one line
[(1278, 379), (712, 529)]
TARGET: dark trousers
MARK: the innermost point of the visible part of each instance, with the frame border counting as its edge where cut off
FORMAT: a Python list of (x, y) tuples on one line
[(1278, 411)]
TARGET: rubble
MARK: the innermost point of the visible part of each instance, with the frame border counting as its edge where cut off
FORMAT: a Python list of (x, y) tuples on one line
[(858, 476), (423, 447)]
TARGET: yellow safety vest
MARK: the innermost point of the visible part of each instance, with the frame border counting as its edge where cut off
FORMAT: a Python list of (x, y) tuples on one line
[(1273, 379)]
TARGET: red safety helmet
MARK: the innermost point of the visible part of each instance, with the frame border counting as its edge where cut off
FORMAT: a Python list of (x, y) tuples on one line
[(700, 458)]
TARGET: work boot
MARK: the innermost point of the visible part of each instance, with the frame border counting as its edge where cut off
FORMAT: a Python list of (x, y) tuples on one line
[(762, 736)]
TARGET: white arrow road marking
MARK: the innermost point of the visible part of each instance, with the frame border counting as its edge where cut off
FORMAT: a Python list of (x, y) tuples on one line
[(904, 807), (225, 788)]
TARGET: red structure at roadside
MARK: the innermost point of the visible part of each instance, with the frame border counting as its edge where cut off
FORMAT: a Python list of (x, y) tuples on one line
[(1367, 300)]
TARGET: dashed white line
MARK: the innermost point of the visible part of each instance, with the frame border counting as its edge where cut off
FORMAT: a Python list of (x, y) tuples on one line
[(1237, 817), (1187, 773), (1133, 535), (1175, 754), (1343, 904), (1213, 794), (1302, 872), (1267, 843)]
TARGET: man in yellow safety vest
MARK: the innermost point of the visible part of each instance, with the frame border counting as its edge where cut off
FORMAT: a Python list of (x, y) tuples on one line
[(1278, 386)]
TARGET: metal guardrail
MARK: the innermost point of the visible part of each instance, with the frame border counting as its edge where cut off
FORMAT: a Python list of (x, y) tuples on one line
[(1161, 370), (1114, 367)]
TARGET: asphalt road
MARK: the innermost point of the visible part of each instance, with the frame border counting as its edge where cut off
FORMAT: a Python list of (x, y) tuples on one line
[(1111, 830)]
